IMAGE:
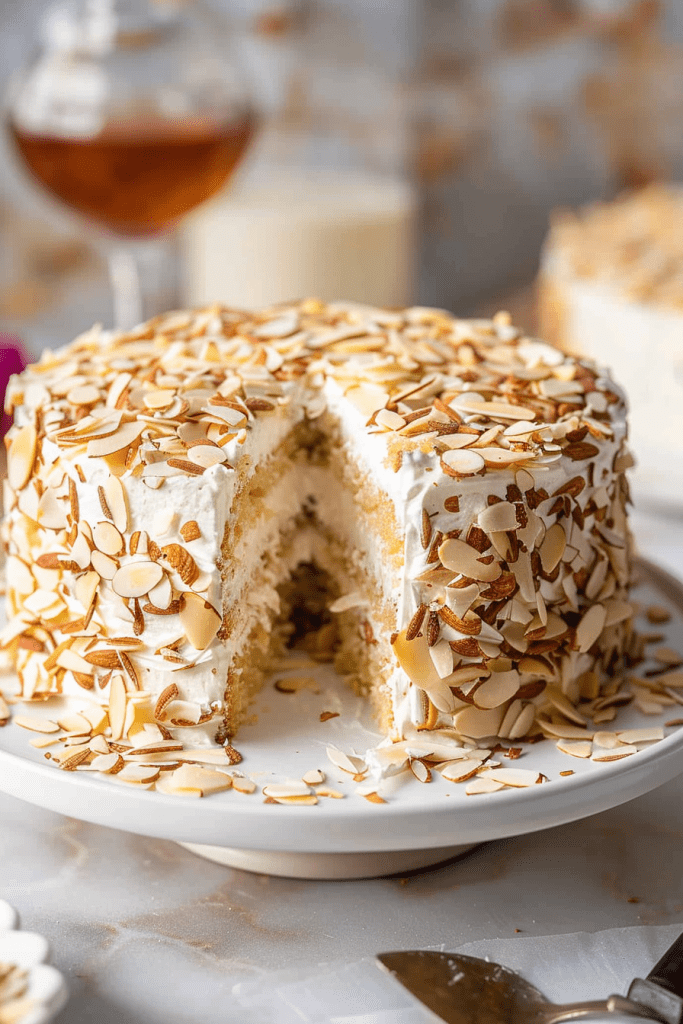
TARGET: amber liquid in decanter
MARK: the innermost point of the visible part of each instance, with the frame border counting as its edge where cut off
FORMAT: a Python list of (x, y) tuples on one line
[(137, 177)]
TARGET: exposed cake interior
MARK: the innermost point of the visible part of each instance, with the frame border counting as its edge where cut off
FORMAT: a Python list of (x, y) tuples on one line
[(310, 531), (447, 496)]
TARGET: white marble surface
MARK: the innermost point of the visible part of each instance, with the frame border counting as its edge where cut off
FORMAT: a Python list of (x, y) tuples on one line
[(145, 932)]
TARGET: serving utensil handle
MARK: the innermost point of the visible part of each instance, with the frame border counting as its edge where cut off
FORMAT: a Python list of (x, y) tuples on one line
[(662, 990), (668, 972), (577, 1011)]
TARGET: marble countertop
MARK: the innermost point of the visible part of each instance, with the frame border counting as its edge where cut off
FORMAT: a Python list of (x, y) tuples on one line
[(146, 932)]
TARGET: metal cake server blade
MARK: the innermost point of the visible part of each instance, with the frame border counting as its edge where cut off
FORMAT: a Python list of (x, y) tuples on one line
[(466, 990)]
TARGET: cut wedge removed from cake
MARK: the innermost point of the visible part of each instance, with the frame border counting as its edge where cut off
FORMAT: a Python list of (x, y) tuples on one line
[(437, 504)]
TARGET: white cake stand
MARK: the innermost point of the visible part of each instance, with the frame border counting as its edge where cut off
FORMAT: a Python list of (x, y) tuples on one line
[(420, 825)]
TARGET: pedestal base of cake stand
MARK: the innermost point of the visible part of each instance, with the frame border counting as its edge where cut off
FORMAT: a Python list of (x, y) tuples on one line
[(328, 866)]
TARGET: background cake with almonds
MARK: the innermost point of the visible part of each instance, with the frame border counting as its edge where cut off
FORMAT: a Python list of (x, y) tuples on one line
[(438, 504), (611, 288)]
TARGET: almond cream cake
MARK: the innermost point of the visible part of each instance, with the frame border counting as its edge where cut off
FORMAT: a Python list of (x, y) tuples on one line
[(442, 501), (611, 288)]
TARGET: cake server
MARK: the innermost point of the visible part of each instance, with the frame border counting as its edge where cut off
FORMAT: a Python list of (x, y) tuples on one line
[(466, 990)]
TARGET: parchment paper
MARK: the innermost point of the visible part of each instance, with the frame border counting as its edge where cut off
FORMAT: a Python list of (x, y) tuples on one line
[(566, 968)]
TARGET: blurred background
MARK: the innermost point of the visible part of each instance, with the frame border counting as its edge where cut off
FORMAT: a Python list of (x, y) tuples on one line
[(406, 151)]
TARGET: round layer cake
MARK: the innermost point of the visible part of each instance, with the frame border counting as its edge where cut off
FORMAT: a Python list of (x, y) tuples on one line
[(611, 288), (437, 504)]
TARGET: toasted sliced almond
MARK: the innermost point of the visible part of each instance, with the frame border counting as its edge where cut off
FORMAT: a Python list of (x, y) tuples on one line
[(606, 715), (199, 620), (672, 679), (207, 780), (233, 417), (170, 693), (103, 658), (21, 456), (159, 398), (180, 711), (122, 438), (564, 731), (455, 442), (347, 762), (98, 718), (109, 764), (667, 656), (483, 784), (180, 559), (495, 410), (415, 660), (117, 502), (523, 723), (590, 627), (73, 662), (85, 588), (136, 579), (389, 420), (117, 705), (606, 739), (84, 394), (617, 611), (616, 754), (477, 723), (313, 777), (75, 723), (649, 734), (500, 457), (166, 784), (190, 531), (564, 705), (460, 557), (499, 688), (75, 757), (243, 785), (41, 742), (442, 658), (138, 774), (458, 771), (74, 754), (499, 517), (104, 566), (286, 789), (462, 462), (43, 725), (368, 397), (98, 744), (577, 748), (309, 800), (553, 546), (657, 613), (107, 538), (161, 596)]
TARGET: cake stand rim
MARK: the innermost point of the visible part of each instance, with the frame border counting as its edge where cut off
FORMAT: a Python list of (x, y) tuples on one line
[(352, 826)]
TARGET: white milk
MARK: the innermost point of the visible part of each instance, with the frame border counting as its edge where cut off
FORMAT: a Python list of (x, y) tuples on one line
[(325, 234)]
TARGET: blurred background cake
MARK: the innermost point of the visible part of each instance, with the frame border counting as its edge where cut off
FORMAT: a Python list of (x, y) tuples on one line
[(611, 286)]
